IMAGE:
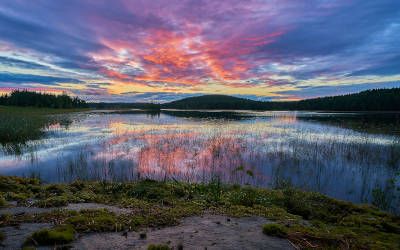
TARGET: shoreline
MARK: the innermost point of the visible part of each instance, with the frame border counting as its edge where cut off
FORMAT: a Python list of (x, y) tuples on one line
[(78, 210)]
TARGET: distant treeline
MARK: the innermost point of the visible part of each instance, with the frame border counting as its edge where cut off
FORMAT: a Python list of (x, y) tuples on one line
[(369, 100), (26, 98), (123, 105)]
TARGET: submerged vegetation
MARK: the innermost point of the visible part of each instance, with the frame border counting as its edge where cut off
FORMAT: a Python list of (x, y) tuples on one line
[(308, 220)]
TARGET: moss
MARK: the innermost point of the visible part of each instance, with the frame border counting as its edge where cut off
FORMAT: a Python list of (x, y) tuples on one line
[(295, 204), (56, 201), (17, 184), (55, 189), (3, 201), (57, 235), (19, 197), (94, 221), (158, 247), (312, 220), (275, 230), (150, 190), (244, 196)]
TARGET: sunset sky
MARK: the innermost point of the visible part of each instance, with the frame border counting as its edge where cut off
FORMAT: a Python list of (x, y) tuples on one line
[(147, 50)]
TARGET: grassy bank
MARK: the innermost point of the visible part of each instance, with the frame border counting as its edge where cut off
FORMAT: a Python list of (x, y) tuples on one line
[(308, 220), (20, 124)]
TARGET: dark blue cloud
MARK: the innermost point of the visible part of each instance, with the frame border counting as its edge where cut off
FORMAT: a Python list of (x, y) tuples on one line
[(12, 62), (27, 78), (336, 30), (25, 31)]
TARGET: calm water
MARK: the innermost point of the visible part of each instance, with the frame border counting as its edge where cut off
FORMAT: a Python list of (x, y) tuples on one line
[(350, 156)]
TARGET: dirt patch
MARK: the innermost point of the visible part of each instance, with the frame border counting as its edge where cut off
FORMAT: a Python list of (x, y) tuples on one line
[(16, 236), (200, 232)]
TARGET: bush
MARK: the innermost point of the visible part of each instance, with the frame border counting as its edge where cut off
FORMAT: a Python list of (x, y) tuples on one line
[(275, 230), (58, 235)]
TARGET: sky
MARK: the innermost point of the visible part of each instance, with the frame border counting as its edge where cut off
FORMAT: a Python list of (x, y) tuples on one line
[(163, 50)]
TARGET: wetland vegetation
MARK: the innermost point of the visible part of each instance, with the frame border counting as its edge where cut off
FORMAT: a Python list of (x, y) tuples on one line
[(306, 219)]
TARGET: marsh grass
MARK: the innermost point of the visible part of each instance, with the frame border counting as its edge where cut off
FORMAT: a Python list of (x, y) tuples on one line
[(309, 220), (258, 156), (19, 125)]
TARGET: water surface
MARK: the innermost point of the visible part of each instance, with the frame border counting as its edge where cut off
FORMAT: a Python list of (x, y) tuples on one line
[(350, 156)]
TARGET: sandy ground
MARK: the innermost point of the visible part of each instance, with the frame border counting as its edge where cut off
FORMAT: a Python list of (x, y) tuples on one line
[(200, 232)]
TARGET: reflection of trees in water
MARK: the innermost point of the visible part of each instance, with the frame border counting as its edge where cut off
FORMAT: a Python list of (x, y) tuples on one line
[(379, 123)]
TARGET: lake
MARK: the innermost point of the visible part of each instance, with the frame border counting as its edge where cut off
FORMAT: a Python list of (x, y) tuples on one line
[(349, 156)]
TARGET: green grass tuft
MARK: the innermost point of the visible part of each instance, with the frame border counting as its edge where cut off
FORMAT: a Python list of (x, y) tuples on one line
[(275, 230), (310, 218), (158, 247), (57, 235)]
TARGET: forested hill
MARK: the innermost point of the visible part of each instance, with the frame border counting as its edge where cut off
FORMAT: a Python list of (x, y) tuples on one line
[(370, 100), (215, 102), (33, 99)]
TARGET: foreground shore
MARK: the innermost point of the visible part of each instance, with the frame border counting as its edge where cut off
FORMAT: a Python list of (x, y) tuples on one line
[(163, 215)]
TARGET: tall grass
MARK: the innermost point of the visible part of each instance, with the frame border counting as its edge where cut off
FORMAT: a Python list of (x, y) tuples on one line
[(19, 125)]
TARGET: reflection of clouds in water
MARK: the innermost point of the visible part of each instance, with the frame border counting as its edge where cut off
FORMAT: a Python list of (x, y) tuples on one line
[(336, 161)]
